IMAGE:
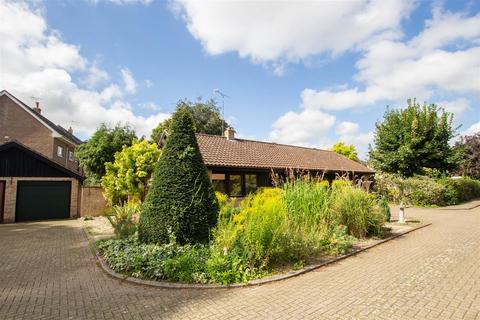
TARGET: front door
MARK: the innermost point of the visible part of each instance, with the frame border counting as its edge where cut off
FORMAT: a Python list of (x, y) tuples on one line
[(2, 199)]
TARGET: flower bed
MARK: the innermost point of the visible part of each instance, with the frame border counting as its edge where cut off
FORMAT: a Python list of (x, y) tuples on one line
[(274, 229)]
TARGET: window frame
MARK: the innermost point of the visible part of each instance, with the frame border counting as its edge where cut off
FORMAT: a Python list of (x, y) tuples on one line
[(60, 151)]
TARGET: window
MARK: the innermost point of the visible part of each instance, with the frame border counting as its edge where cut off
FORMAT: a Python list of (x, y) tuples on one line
[(70, 156), (60, 151), (250, 183), (218, 182), (235, 185)]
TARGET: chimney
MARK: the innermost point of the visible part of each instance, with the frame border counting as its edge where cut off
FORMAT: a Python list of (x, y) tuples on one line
[(70, 130), (229, 133), (37, 107)]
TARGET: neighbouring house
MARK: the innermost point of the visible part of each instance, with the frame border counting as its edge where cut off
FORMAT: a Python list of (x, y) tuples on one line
[(239, 166), (39, 176)]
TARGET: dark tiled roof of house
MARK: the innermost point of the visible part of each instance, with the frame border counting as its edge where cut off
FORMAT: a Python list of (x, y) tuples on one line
[(218, 151), (59, 129)]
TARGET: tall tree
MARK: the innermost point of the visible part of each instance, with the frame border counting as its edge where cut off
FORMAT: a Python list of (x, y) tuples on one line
[(347, 150), (206, 117), (181, 200), (470, 146), (101, 148), (129, 174), (411, 139)]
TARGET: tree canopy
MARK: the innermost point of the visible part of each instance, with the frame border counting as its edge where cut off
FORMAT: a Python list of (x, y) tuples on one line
[(181, 201), (206, 117), (101, 148), (347, 150), (128, 175), (411, 139), (470, 147)]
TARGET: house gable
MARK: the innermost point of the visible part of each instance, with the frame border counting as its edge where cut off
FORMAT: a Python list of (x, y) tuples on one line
[(56, 131), (17, 160)]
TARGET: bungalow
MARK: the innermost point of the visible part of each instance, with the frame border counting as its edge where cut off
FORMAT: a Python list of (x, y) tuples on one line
[(239, 166)]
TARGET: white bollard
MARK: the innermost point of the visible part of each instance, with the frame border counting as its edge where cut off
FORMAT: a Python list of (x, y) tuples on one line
[(401, 213)]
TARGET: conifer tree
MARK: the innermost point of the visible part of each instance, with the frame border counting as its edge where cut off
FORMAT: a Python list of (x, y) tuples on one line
[(181, 199)]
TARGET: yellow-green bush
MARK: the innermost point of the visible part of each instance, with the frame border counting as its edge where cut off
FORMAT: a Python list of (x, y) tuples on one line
[(359, 211)]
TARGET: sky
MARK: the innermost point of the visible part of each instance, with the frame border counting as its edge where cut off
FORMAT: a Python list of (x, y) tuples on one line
[(306, 73)]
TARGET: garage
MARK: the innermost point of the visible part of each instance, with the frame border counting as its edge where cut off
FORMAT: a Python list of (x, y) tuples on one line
[(35, 187), (42, 200)]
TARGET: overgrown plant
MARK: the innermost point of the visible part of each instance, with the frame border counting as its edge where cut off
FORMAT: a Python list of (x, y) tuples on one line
[(122, 219)]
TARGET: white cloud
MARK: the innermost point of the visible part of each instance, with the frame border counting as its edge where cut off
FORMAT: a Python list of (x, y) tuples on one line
[(128, 80), (301, 128), (349, 132), (95, 76), (35, 61), (150, 106), (277, 32), (474, 128), (457, 106), (443, 58)]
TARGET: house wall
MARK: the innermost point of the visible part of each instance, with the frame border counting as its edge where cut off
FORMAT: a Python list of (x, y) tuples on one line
[(93, 203), (64, 161), (19, 125), (11, 195)]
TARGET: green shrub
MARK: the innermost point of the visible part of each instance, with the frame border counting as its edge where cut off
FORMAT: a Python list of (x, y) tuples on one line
[(181, 198), (385, 207), (429, 190), (467, 188), (424, 191), (188, 265), (122, 219), (358, 211)]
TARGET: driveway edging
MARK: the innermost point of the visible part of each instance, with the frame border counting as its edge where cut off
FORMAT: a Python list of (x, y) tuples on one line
[(176, 285)]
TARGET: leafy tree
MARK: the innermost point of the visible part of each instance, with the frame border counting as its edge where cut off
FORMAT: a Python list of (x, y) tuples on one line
[(206, 116), (181, 200), (101, 148), (347, 150), (470, 146), (128, 175), (411, 139)]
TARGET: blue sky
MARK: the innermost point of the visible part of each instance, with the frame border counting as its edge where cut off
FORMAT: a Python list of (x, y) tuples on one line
[(307, 73)]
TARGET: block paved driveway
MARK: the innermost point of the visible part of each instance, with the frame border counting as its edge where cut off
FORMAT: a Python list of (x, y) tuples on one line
[(48, 272)]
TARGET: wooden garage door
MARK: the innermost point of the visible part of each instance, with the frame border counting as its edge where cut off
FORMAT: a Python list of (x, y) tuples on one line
[(41, 200)]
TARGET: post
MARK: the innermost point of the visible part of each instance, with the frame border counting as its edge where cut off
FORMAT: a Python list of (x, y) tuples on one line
[(401, 213)]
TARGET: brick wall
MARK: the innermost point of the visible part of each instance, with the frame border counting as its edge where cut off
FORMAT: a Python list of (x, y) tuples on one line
[(23, 127), (11, 195), (93, 203)]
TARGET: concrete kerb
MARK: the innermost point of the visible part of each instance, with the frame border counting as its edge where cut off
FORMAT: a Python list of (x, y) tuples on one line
[(465, 206), (279, 277)]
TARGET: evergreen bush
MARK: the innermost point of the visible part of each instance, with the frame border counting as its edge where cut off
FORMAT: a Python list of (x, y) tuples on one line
[(181, 199)]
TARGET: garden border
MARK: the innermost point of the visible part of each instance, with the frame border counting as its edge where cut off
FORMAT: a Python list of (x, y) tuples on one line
[(176, 285)]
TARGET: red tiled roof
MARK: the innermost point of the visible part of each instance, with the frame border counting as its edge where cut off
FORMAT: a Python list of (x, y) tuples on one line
[(218, 151)]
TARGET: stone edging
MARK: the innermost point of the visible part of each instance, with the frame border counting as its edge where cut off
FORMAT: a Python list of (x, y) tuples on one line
[(175, 285), (459, 206)]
